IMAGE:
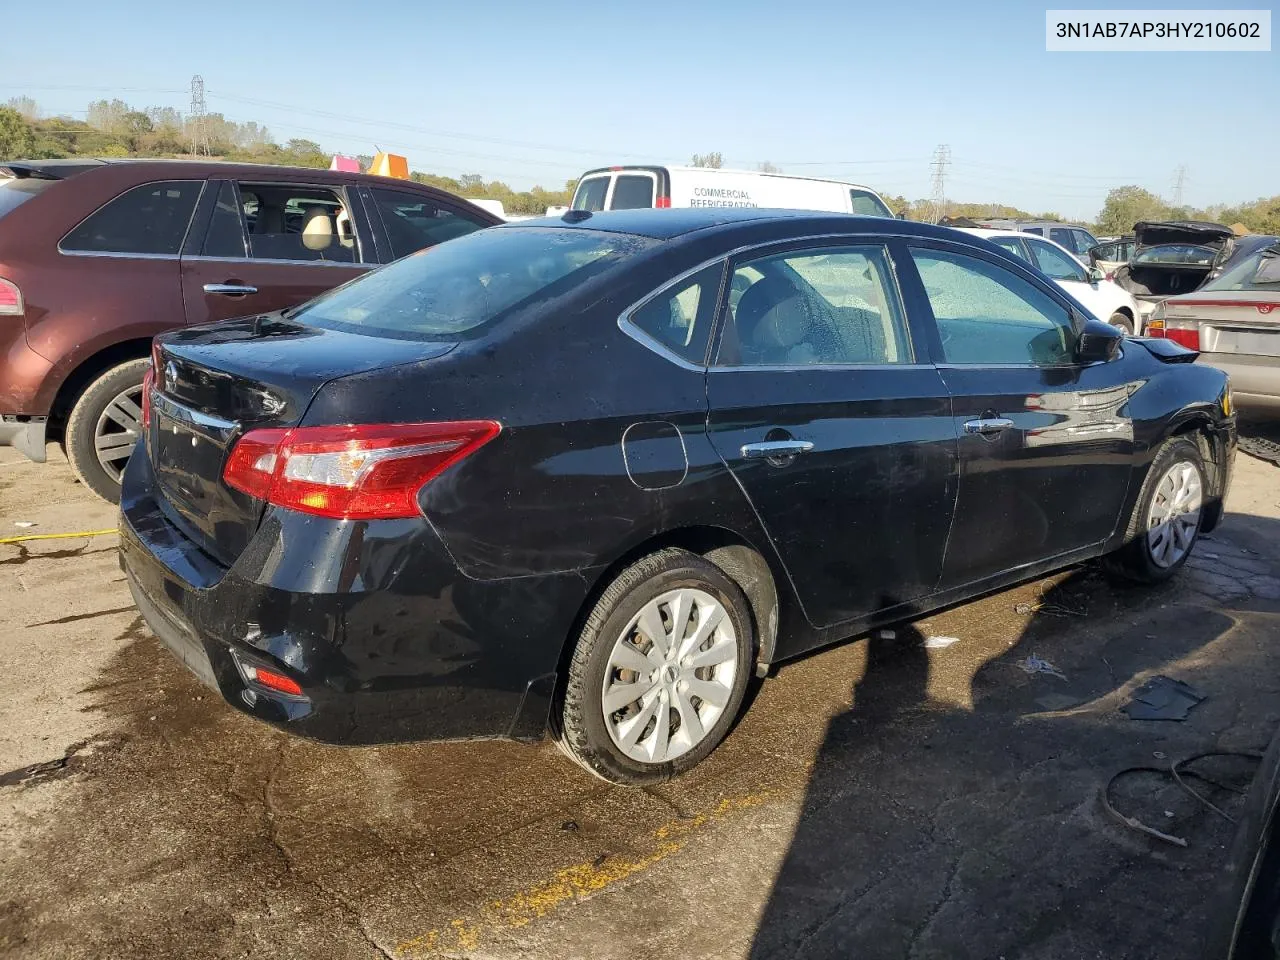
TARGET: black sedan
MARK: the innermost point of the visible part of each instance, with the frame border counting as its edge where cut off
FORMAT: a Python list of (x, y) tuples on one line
[(588, 475)]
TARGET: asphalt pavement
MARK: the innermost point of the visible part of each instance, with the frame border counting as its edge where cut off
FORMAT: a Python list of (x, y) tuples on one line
[(930, 793)]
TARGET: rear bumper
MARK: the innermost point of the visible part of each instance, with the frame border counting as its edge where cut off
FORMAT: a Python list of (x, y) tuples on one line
[(372, 620), (1255, 381), (25, 434)]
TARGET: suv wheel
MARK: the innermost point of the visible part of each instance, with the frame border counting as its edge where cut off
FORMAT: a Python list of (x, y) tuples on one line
[(659, 671), (104, 426)]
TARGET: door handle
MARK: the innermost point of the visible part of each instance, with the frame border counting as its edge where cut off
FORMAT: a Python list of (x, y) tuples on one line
[(988, 426), (775, 449), (230, 289)]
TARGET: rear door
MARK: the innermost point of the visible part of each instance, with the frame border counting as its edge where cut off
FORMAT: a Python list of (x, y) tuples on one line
[(836, 429), (271, 245), (1045, 443)]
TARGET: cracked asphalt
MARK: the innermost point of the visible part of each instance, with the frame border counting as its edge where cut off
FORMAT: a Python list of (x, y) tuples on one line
[(885, 798)]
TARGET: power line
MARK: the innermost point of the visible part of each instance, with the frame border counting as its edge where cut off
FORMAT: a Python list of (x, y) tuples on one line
[(1179, 182)]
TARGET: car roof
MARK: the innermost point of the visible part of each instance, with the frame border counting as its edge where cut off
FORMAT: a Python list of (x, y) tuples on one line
[(669, 223), (59, 169)]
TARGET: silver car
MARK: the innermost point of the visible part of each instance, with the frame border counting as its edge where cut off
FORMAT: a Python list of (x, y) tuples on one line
[(1234, 321)]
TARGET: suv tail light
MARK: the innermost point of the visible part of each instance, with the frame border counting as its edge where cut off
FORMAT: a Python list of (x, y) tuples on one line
[(360, 472), (10, 299), (1186, 333), (662, 203)]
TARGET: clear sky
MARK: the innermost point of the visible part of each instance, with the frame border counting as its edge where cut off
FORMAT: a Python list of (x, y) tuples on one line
[(536, 92)]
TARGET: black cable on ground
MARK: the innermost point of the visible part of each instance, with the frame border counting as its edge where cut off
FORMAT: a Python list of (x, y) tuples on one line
[(1174, 770)]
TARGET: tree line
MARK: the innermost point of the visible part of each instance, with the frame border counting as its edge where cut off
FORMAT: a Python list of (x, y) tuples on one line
[(114, 128)]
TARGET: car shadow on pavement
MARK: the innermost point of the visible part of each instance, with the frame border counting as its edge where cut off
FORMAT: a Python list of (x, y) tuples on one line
[(933, 829)]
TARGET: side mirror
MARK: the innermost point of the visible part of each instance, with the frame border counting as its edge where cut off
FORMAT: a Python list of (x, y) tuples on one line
[(1096, 275), (1098, 343)]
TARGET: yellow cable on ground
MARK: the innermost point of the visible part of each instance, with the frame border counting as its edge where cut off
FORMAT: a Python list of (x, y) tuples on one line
[(59, 536)]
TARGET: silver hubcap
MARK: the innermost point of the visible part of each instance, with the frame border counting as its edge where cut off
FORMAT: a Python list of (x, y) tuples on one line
[(1174, 517), (670, 675), (118, 430)]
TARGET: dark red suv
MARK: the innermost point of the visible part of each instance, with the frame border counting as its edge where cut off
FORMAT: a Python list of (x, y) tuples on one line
[(97, 257)]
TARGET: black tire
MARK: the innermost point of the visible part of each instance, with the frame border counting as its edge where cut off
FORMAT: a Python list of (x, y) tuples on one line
[(1134, 560), (1122, 321), (583, 733), (82, 425)]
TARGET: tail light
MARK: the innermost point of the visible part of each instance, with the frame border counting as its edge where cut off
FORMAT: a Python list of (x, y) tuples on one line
[(10, 299), (1184, 332), (360, 472), (148, 386), (1110, 276), (662, 203)]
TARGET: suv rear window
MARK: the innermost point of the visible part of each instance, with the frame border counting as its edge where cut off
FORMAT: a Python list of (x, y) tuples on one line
[(632, 193), (150, 219), (590, 194), (16, 191), (448, 290)]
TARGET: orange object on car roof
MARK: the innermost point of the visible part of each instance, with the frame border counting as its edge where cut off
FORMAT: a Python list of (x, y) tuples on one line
[(390, 165)]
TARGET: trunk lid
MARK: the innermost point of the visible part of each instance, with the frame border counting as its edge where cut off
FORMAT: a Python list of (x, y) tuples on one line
[(214, 383), (1243, 323)]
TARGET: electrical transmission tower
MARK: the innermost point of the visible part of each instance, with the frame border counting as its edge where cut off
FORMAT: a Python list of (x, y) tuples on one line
[(1179, 181), (196, 119), (941, 159)]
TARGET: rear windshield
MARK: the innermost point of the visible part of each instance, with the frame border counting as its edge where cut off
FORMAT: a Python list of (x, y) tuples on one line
[(868, 204), (1259, 271), (447, 291), (590, 194), (16, 191), (632, 192)]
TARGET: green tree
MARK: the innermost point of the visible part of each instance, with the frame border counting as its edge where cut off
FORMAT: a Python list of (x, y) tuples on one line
[(1128, 205), (17, 138), (713, 160)]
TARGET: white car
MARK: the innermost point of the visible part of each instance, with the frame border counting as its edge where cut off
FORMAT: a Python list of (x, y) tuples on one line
[(1106, 300)]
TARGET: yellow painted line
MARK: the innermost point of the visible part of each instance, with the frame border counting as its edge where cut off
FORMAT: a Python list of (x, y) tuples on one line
[(568, 885), (58, 536)]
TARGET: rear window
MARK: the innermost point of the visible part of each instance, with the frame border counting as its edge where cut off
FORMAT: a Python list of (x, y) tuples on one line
[(14, 191), (867, 204), (632, 193), (590, 194), (449, 290)]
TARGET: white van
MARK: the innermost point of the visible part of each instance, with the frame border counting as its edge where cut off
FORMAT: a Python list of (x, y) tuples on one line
[(629, 188)]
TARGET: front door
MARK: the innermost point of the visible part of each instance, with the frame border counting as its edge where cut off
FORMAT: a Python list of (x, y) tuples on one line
[(268, 246), (838, 433), (1045, 443)]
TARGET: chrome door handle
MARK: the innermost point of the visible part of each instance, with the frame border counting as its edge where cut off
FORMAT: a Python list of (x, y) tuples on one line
[(230, 289), (987, 426), (775, 449)]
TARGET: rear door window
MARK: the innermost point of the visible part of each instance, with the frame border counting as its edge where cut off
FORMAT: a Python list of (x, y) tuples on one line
[(632, 192), (225, 236), (591, 193), (831, 306), (414, 222), (151, 219), (295, 222), (1013, 245), (1063, 236)]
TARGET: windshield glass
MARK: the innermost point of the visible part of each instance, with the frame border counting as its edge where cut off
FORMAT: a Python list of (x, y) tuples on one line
[(14, 191), (446, 291), (1259, 271)]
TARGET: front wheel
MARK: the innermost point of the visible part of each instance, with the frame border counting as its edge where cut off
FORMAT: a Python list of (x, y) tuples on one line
[(104, 426), (659, 671), (1166, 519), (1122, 322)]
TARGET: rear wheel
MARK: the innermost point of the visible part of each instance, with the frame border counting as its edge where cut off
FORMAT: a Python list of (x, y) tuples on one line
[(1166, 519), (659, 670), (1121, 321), (104, 426)]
